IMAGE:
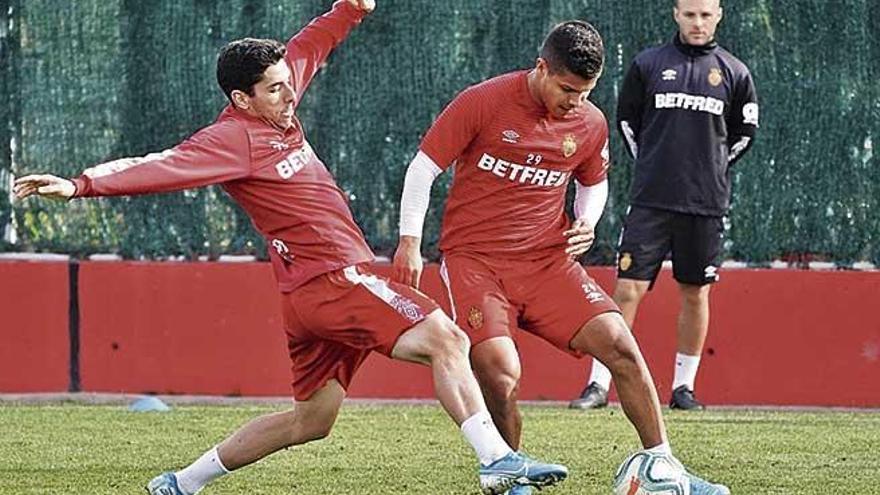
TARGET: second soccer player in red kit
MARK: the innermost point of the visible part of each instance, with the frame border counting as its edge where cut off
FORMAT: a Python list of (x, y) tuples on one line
[(515, 142), (335, 311)]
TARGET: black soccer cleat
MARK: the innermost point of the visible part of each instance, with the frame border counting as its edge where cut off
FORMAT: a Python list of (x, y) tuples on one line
[(683, 398), (594, 396)]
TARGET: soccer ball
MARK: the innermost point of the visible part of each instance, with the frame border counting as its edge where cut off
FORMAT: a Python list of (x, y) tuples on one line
[(647, 473)]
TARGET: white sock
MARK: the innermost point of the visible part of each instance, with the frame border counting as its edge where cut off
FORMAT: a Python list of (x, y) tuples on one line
[(600, 374), (663, 448), (206, 469), (685, 371), (481, 433)]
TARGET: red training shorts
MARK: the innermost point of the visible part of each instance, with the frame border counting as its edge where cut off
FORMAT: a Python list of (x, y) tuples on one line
[(552, 299), (335, 320)]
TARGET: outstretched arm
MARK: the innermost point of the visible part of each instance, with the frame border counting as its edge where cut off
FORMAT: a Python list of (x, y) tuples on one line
[(208, 157), (309, 48)]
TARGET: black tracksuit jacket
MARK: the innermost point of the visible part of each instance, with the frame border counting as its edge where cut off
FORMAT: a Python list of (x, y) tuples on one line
[(686, 114)]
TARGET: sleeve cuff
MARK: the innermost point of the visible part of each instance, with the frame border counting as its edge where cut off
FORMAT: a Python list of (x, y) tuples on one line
[(80, 185)]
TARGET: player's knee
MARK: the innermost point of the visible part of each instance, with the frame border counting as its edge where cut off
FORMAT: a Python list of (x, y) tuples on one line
[(312, 436), (627, 293), (624, 351), (628, 353), (695, 295), (309, 426), (321, 432), (456, 344), (310, 433), (451, 340), (460, 340)]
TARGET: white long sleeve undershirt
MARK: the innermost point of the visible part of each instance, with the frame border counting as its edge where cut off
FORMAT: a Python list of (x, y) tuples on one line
[(589, 201), (416, 195)]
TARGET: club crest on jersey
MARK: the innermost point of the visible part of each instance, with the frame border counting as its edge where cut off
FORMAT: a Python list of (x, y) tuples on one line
[(475, 318), (569, 146), (715, 77), (625, 262), (510, 136)]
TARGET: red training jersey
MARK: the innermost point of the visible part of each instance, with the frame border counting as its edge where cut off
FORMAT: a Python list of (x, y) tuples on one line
[(274, 175), (512, 163)]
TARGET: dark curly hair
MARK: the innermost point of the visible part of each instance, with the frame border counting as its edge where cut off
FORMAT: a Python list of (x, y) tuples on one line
[(575, 46), (241, 63)]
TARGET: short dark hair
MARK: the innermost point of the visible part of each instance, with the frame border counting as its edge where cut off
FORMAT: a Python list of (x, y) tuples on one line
[(241, 63), (575, 46)]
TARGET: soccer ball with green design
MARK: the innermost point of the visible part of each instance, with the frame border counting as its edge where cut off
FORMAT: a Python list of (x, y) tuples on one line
[(648, 473)]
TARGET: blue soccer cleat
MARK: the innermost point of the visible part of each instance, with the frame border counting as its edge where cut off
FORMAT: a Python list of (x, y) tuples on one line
[(700, 486), (519, 469), (164, 484)]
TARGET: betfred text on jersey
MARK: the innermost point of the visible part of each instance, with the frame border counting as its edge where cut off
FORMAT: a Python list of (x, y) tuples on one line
[(294, 161), (689, 102), (522, 173)]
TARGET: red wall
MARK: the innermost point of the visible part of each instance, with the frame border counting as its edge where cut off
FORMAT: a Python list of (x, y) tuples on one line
[(34, 343), (202, 328), (778, 337)]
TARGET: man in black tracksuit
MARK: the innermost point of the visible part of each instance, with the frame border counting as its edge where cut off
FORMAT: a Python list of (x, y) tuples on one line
[(687, 111)]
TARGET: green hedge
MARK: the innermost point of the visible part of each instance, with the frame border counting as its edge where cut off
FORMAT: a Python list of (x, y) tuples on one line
[(91, 80)]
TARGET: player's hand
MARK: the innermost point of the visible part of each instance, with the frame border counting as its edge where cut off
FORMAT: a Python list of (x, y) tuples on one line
[(365, 5), (580, 238), (46, 185), (407, 265)]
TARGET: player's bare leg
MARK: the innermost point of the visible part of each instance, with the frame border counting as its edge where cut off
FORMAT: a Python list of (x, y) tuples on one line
[(627, 295), (693, 326), (608, 339), (439, 343), (693, 319), (497, 367), (307, 421)]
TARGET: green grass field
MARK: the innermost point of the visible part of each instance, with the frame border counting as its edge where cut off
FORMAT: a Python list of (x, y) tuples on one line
[(73, 449)]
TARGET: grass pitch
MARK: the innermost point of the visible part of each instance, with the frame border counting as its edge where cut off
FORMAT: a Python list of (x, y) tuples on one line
[(72, 449)]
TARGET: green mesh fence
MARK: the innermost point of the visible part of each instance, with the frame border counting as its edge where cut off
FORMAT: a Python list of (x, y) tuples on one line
[(87, 81)]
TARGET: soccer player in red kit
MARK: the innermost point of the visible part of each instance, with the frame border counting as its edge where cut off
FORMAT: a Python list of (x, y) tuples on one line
[(335, 311), (515, 142)]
